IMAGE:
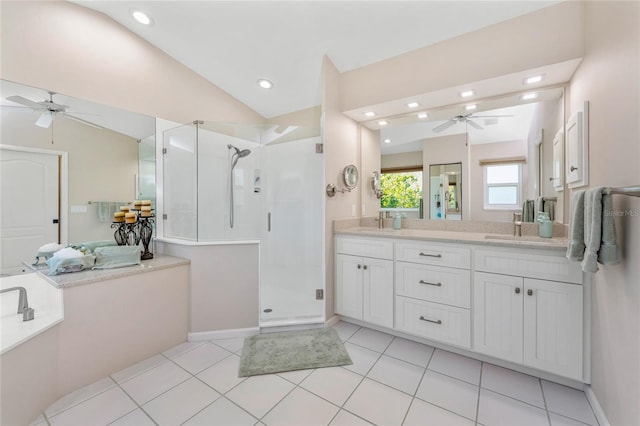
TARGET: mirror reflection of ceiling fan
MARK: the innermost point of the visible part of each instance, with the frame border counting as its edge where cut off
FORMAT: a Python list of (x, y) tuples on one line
[(47, 108), (465, 119)]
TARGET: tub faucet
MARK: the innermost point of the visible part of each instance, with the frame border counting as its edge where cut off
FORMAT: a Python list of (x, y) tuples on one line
[(517, 224), (23, 303)]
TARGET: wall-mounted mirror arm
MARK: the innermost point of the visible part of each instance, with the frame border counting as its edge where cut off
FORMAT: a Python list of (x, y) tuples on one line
[(350, 177)]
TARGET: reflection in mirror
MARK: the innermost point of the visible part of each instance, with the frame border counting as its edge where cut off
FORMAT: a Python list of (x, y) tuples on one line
[(106, 149), (445, 191), (350, 176), (510, 127)]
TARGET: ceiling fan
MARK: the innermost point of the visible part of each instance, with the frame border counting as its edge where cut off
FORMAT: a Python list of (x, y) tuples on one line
[(466, 119), (47, 108)]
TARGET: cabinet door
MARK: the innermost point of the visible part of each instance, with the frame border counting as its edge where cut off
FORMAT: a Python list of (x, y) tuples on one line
[(378, 291), (553, 327), (349, 286), (575, 145), (497, 317), (557, 166)]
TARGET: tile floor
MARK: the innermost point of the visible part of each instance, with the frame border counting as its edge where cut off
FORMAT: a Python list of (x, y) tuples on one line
[(392, 381)]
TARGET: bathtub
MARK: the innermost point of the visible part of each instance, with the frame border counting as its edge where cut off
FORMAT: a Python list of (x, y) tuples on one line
[(44, 298)]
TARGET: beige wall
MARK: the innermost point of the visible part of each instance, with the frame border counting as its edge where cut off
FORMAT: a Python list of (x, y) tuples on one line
[(370, 140), (609, 79), (404, 159), (70, 49), (102, 165)]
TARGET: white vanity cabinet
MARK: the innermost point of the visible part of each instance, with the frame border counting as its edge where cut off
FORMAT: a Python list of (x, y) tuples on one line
[(529, 321), (364, 284)]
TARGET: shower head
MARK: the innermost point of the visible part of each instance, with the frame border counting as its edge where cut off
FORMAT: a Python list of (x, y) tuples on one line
[(243, 153), (237, 155)]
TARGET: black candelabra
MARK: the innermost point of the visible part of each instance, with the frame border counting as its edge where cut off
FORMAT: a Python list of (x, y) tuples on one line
[(130, 234)]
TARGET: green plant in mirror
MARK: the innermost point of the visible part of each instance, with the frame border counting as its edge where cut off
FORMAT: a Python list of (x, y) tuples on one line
[(401, 190)]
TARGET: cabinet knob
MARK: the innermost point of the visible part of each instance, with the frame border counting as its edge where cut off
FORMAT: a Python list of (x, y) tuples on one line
[(364, 267), (530, 292), (517, 290), (359, 266)]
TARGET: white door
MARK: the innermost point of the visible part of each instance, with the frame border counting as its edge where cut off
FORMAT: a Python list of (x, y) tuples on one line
[(378, 292), (29, 184), (553, 327), (498, 315), (349, 286)]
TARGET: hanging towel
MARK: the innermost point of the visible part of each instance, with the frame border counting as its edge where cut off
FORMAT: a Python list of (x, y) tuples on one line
[(104, 212), (609, 253), (575, 249), (539, 207), (550, 208), (527, 211)]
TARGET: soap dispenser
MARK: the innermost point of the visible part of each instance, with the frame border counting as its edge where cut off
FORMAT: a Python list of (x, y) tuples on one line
[(545, 226), (397, 221)]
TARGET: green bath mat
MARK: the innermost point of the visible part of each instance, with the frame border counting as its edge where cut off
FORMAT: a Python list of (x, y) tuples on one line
[(292, 350)]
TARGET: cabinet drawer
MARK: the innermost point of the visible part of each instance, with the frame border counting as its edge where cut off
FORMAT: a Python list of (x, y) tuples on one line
[(434, 321), (434, 254), (367, 247), (434, 284), (528, 264)]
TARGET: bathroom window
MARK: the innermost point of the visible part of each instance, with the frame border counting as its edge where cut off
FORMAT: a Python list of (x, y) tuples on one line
[(502, 186), (401, 189)]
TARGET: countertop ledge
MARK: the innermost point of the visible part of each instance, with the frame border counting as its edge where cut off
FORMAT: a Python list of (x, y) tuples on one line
[(501, 240), (158, 263)]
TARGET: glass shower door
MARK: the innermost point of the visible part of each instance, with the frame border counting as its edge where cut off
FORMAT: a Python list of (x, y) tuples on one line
[(292, 246)]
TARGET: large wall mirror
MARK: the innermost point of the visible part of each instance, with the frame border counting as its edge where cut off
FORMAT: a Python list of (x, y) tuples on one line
[(517, 131), (108, 154)]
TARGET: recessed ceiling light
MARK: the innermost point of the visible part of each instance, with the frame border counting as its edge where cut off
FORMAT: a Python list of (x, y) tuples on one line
[(413, 105), (383, 122), (466, 93), (369, 114), (528, 96), (141, 17), (423, 115), (265, 84), (387, 140), (470, 107), (534, 79)]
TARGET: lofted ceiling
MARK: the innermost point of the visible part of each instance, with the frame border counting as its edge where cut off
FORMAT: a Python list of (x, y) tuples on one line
[(234, 43)]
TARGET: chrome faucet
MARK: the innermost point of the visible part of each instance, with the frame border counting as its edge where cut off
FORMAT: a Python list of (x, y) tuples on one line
[(23, 303), (380, 219), (517, 224)]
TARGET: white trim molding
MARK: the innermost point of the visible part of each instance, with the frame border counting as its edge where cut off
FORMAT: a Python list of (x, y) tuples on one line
[(595, 406), (200, 336)]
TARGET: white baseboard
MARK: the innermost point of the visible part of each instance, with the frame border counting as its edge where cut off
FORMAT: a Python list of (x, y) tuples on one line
[(222, 334), (595, 406), (332, 321)]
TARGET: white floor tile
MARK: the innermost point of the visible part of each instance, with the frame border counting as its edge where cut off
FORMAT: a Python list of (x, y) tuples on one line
[(102, 409), (449, 393), (512, 383), (345, 418), (397, 374), (454, 365), (334, 384), (378, 403), (345, 330), (424, 414), (79, 395), (363, 359), (568, 402), (371, 339), (181, 348), (496, 409), (201, 357), (141, 367), (413, 352), (301, 408), (258, 394), (222, 413), (232, 344), (181, 402), (223, 376), (146, 386), (296, 376), (134, 418), (558, 420)]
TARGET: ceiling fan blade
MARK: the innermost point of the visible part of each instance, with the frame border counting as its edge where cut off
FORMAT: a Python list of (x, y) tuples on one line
[(24, 101), (474, 125), (45, 120), (491, 116), (444, 126)]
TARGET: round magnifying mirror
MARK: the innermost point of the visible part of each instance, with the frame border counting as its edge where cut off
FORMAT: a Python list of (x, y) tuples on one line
[(350, 176)]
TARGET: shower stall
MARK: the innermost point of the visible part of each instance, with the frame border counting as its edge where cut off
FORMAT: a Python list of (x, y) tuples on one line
[(262, 183)]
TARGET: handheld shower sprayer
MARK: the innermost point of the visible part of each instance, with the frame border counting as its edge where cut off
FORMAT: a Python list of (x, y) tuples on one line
[(237, 155)]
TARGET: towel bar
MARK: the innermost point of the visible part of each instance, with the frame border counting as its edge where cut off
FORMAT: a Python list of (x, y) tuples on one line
[(633, 191)]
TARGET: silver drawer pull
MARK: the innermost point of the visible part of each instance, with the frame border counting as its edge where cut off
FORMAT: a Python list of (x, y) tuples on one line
[(430, 255), (427, 283), (428, 320)]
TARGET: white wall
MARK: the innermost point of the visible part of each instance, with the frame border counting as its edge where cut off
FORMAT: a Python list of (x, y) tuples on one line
[(609, 79)]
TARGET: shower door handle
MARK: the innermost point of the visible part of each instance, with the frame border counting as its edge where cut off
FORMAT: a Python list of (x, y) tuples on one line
[(269, 222)]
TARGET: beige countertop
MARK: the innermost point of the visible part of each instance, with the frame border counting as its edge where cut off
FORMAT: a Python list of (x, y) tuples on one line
[(158, 262), (502, 240)]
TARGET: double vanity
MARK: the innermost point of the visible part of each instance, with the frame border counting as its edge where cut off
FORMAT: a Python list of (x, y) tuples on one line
[(492, 296)]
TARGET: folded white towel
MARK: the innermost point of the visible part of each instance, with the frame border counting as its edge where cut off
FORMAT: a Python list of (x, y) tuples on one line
[(575, 249)]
